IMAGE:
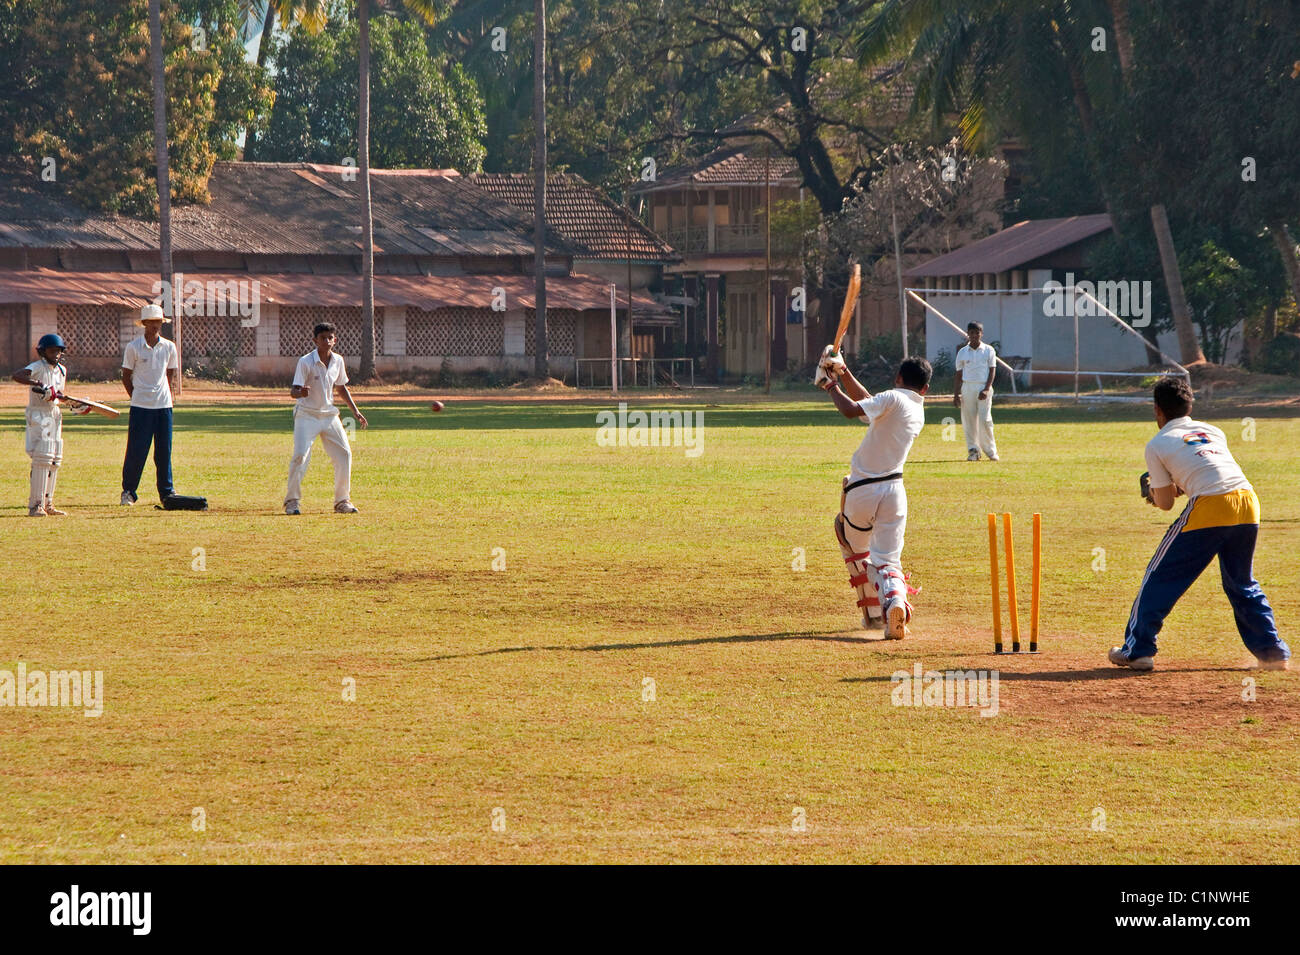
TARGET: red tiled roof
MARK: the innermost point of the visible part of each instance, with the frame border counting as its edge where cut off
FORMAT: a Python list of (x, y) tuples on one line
[(731, 166), (592, 225), (419, 291), (1013, 247)]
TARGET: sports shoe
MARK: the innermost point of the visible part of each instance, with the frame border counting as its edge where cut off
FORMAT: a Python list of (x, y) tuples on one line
[(972, 455), (127, 499), (896, 622), (35, 510), (345, 507), (1273, 665), (994, 457), (291, 507), (1118, 657), (53, 511)]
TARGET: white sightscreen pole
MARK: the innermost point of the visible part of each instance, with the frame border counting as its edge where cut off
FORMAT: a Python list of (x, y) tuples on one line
[(613, 340)]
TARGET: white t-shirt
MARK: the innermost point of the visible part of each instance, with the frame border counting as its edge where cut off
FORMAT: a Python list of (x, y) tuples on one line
[(1195, 456), (48, 375), (148, 367), (974, 364), (320, 379), (894, 419)]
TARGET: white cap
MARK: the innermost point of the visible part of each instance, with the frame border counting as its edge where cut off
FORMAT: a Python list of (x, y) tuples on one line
[(151, 313)]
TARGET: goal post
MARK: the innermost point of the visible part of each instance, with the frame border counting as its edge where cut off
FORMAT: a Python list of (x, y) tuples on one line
[(1073, 295)]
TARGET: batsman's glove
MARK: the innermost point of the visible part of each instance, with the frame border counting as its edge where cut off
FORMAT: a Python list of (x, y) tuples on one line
[(830, 365)]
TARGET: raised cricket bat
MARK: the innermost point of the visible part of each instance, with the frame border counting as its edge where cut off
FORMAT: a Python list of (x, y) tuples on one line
[(76, 404), (850, 300)]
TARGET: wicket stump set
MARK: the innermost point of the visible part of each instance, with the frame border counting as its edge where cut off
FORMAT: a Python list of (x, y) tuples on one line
[(1012, 609)]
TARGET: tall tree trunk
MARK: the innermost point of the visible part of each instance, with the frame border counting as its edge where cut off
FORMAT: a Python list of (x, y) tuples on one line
[(263, 53), (541, 365), (1188, 345), (164, 178), (367, 370), (1286, 250)]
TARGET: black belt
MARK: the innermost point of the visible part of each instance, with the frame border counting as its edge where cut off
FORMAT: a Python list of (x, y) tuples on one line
[(875, 480)]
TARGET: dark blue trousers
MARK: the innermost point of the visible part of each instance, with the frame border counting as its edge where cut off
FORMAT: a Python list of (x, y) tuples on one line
[(148, 426), (1178, 561)]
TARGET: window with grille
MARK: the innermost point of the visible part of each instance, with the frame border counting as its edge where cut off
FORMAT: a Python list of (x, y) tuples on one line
[(297, 322), (93, 331), (561, 331), (454, 332)]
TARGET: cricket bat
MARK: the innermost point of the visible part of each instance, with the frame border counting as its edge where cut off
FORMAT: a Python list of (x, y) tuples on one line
[(76, 404), (850, 300)]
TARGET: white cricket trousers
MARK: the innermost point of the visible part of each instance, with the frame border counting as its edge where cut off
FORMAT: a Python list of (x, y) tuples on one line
[(306, 428), (876, 520), (977, 419)]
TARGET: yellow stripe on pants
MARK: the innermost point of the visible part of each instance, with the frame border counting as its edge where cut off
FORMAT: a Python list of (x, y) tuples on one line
[(1224, 510)]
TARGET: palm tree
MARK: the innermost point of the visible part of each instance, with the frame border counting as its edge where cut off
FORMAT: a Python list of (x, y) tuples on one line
[(989, 59), (164, 180), (425, 10), (311, 14), (1188, 344), (541, 365)]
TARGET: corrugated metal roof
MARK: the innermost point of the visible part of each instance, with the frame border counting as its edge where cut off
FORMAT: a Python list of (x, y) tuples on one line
[(290, 209), (587, 221), (1013, 247), (418, 291)]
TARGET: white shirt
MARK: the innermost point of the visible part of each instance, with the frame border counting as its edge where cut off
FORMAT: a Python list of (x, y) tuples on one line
[(321, 379), (48, 375), (1195, 456), (895, 418), (974, 364), (148, 367)]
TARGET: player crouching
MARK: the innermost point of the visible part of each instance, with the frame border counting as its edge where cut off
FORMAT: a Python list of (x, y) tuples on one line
[(873, 507), (46, 377)]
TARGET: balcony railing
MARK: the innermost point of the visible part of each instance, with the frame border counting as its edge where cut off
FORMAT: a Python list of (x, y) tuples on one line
[(749, 238)]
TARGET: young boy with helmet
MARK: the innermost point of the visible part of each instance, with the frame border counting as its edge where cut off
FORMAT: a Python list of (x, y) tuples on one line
[(46, 378)]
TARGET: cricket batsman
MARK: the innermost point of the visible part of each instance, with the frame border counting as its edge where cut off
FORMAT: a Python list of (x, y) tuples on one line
[(1221, 520), (873, 505)]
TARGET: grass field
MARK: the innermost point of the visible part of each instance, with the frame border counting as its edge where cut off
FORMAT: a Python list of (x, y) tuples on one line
[(521, 689)]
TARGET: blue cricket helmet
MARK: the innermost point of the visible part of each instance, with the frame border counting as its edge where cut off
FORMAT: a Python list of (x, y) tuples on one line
[(51, 341)]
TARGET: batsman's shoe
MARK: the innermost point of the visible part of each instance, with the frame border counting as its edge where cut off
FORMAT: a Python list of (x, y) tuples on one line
[(972, 455), (35, 510), (291, 507), (53, 511), (896, 622), (1118, 657), (1274, 665), (994, 457), (128, 499), (345, 507)]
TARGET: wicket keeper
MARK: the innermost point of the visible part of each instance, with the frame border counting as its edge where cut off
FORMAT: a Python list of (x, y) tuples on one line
[(873, 505), (1221, 520)]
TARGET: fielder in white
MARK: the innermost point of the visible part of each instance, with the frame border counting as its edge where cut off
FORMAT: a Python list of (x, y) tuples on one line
[(320, 373), (873, 508), (46, 377), (972, 392)]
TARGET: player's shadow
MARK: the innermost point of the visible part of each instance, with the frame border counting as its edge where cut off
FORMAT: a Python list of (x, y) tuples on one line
[(827, 636), (1056, 676)]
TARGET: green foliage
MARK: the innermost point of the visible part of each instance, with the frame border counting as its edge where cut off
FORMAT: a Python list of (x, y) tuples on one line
[(1281, 356), (424, 112), (1222, 292), (78, 87)]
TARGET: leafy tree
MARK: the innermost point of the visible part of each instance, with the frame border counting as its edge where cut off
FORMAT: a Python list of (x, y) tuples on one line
[(78, 88), (425, 113)]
